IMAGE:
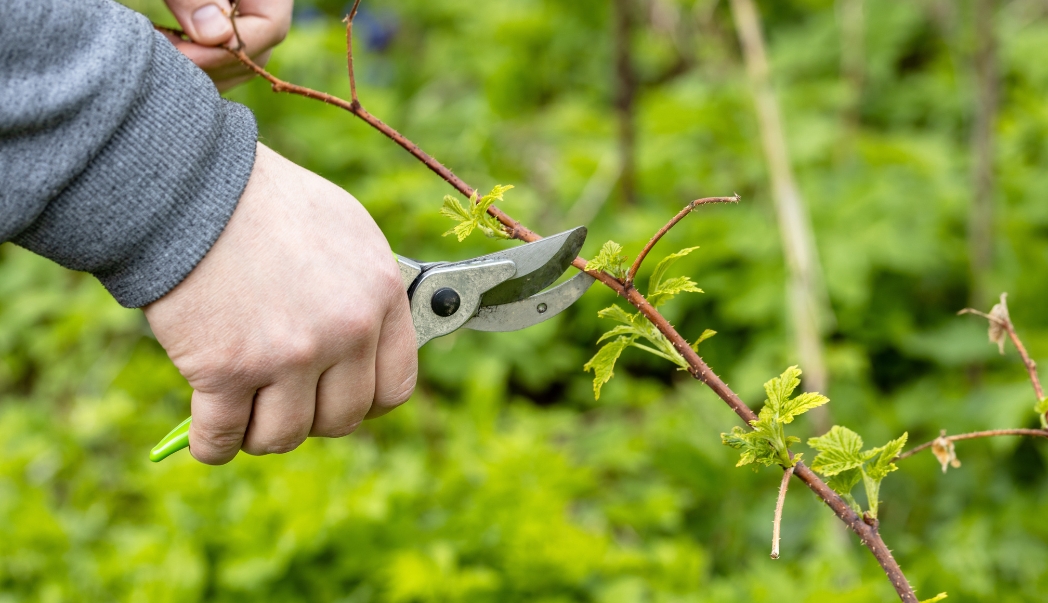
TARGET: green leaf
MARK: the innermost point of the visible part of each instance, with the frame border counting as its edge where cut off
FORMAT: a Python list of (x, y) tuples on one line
[(670, 288), (754, 445), (840, 449), (610, 259), (779, 391), (619, 330), (615, 312), (655, 281), (843, 483), (475, 216), (705, 335), (1041, 408), (603, 362), (883, 464), (936, 598), (661, 291)]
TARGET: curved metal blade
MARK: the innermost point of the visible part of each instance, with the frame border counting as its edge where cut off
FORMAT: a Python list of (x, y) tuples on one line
[(533, 310), (539, 265)]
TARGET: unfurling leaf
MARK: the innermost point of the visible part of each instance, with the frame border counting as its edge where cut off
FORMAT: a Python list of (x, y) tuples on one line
[(883, 464), (999, 316), (669, 289), (1041, 407), (755, 447), (843, 483), (840, 449), (936, 598), (779, 410), (945, 452), (705, 335), (610, 259), (842, 460), (476, 215), (779, 391), (603, 362)]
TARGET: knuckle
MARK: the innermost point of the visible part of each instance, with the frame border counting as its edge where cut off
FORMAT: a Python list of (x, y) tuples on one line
[(299, 351), (337, 431)]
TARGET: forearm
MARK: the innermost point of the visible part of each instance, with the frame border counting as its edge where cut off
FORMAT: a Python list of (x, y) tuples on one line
[(117, 156)]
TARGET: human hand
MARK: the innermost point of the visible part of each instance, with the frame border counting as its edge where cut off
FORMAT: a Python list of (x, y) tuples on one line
[(295, 323), (262, 24)]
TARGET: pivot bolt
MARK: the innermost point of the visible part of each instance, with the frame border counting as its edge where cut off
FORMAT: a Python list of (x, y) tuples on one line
[(445, 302)]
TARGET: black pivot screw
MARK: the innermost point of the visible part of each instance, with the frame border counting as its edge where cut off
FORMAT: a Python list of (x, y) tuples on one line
[(445, 302)]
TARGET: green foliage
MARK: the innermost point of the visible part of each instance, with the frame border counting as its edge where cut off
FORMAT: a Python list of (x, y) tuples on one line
[(842, 460), (635, 327), (476, 216), (501, 480), (767, 443), (1041, 408), (662, 290), (610, 259)]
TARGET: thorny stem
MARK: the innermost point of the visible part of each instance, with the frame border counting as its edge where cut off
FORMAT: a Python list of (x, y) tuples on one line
[(1006, 324), (673, 222), (990, 433), (698, 368), (777, 522)]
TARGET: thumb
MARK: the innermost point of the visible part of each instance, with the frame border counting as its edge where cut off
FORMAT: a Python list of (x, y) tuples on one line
[(206, 22)]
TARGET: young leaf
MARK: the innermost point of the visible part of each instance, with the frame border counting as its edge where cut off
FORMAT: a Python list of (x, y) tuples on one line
[(936, 598), (615, 312), (661, 291), (779, 391), (705, 335), (664, 265), (610, 259), (754, 445), (669, 289), (883, 464), (603, 362), (840, 449), (476, 215), (843, 483), (1041, 408)]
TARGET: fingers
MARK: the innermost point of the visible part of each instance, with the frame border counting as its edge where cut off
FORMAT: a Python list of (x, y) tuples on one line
[(282, 415), (344, 396), (396, 363), (219, 423), (206, 22)]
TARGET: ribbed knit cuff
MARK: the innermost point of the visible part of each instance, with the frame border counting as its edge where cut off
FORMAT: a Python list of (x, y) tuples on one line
[(151, 204)]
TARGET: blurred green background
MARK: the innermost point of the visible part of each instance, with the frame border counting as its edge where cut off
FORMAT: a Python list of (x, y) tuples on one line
[(502, 479)]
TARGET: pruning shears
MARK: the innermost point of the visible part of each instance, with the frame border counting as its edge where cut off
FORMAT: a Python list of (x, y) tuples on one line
[(502, 291)]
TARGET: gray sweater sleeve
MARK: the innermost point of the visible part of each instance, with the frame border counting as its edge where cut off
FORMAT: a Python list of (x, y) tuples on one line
[(117, 155)]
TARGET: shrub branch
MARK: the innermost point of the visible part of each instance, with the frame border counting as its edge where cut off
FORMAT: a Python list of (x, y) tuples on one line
[(673, 222), (777, 522), (868, 534)]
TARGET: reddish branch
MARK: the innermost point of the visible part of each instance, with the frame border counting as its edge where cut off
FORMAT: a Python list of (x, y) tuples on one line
[(673, 222), (698, 368), (1009, 328), (999, 317), (990, 433)]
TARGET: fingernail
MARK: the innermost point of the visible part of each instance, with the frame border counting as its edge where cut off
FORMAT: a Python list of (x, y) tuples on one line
[(211, 24)]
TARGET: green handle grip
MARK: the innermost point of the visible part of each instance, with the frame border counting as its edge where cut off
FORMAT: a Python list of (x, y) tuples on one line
[(175, 440)]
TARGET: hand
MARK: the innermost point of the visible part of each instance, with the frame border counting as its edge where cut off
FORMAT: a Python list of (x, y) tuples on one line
[(262, 25), (294, 324)]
